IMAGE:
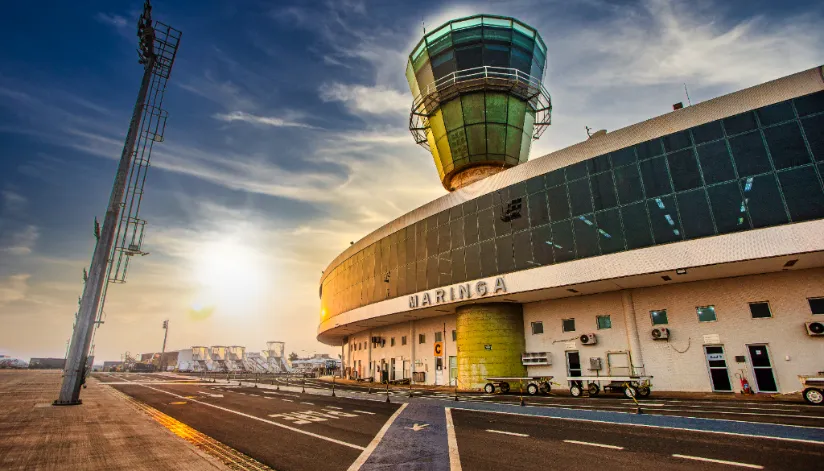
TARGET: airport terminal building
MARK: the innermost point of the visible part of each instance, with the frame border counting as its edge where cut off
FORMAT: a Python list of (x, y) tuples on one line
[(688, 247)]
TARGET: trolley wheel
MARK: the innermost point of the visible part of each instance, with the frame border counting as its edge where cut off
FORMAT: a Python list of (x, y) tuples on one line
[(575, 390), (546, 387), (814, 396), (593, 389), (504, 388), (532, 389), (644, 391), (489, 388), (631, 392)]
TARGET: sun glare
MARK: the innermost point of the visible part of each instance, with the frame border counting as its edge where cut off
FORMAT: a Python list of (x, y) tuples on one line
[(231, 276)]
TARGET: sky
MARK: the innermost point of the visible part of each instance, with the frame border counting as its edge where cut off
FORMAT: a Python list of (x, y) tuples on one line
[(287, 139)]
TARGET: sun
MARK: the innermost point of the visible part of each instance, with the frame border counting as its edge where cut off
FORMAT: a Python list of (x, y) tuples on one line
[(230, 274)]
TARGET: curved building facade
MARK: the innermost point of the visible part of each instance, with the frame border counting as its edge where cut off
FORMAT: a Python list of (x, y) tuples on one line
[(703, 225)]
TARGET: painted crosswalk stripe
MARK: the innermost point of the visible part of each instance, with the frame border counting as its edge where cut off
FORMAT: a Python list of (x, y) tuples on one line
[(333, 407), (504, 432), (308, 403), (363, 412), (601, 445), (287, 400), (711, 460)]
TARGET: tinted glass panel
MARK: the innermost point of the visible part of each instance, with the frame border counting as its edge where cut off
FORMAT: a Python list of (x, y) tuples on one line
[(812, 129), (555, 178), (664, 219), (628, 183), (706, 314), (558, 204), (603, 191), (444, 239), (649, 149), (562, 241), (809, 104), (505, 254), (623, 157), (816, 305), (523, 251), (656, 179), (677, 141), (579, 197), (684, 170), (707, 132), (502, 226), (486, 224), (470, 223), (535, 184), (786, 145), (610, 235), (803, 194), (728, 208), (432, 270), (456, 229), (576, 171), (760, 310), (538, 212), (776, 113), (659, 317), (586, 236), (469, 57), (444, 269), (542, 245), (749, 154), (488, 266), (458, 266), (598, 164), (636, 226), (431, 242), (695, 214), (715, 162), (740, 123), (473, 262), (763, 201)]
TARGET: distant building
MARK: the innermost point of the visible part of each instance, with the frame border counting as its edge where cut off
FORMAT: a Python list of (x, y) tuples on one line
[(47, 363)]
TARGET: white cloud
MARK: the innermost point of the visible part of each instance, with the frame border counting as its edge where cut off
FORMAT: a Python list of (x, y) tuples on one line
[(264, 120), (13, 288), (363, 99), (13, 201), (110, 19)]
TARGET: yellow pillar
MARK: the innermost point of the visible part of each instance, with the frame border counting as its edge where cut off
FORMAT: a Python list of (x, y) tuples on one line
[(490, 343)]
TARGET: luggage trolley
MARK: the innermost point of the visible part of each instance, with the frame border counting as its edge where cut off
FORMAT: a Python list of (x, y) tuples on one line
[(534, 384), (813, 388), (631, 386)]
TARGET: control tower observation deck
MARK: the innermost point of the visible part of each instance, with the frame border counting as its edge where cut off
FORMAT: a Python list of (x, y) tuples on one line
[(478, 98)]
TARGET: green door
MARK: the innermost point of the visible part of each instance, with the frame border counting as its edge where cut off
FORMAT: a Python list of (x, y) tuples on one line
[(453, 370)]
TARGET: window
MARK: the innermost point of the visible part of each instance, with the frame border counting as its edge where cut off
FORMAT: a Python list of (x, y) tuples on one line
[(392, 342), (816, 305), (760, 310), (403, 340), (659, 317), (537, 328), (454, 335), (603, 322), (706, 314), (568, 325), (421, 338), (438, 337)]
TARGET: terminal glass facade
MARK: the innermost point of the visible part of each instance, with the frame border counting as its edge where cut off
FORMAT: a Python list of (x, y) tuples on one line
[(757, 169)]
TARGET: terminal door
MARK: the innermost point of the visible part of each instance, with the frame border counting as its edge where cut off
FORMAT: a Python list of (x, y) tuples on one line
[(717, 364)]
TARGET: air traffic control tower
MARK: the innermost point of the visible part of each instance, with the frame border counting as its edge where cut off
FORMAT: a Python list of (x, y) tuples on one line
[(478, 98), (478, 104)]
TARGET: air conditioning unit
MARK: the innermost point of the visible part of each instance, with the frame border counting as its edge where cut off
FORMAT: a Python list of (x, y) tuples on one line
[(660, 333), (588, 339), (815, 329)]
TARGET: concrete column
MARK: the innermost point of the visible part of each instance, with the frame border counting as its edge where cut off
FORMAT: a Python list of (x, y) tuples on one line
[(412, 342), (369, 357), (633, 340), (490, 342)]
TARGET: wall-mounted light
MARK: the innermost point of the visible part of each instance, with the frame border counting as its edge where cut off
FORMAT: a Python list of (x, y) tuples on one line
[(681, 271)]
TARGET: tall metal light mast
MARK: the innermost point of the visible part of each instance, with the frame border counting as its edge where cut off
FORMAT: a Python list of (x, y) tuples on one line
[(122, 234), (163, 351)]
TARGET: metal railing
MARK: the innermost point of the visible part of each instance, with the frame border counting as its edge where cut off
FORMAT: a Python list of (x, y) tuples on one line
[(448, 87)]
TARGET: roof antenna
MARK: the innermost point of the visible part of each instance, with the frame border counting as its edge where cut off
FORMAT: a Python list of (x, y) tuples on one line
[(687, 93), (423, 25), (589, 133)]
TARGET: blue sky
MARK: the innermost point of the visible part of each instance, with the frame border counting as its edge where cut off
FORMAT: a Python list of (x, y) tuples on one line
[(287, 139)]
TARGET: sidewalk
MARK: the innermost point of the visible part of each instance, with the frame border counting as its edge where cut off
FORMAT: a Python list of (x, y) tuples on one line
[(105, 433), (563, 391)]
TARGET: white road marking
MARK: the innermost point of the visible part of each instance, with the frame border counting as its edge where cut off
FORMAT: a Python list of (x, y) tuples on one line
[(304, 432), (308, 403), (452, 441), (601, 445), (504, 432), (710, 460), (748, 436), (362, 412), (417, 427), (333, 407), (287, 400), (374, 443)]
